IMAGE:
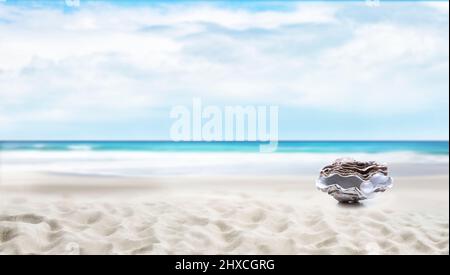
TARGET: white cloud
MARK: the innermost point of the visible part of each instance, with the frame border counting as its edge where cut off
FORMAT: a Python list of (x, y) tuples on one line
[(93, 16), (4, 121), (55, 35), (382, 67), (441, 6), (105, 62)]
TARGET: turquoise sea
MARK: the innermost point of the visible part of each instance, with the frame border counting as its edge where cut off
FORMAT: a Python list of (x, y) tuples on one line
[(167, 158), (423, 147)]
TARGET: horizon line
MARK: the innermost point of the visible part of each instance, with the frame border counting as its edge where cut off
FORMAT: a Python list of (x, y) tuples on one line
[(225, 141)]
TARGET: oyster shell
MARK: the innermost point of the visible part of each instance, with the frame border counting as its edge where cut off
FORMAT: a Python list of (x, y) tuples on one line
[(351, 181)]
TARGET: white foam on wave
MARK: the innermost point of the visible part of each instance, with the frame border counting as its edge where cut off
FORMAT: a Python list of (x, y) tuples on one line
[(160, 163), (80, 148), (39, 146)]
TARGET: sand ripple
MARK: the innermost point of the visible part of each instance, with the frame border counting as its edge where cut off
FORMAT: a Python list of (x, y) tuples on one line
[(216, 226)]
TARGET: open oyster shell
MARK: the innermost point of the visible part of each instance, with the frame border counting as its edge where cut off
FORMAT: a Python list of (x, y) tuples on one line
[(351, 181)]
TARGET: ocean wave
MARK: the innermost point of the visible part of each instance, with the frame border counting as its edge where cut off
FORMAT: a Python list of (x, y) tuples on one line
[(39, 146), (369, 147), (80, 147), (115, 163)]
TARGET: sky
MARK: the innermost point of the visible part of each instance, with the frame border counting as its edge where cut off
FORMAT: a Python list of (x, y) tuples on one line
[(112, 70)]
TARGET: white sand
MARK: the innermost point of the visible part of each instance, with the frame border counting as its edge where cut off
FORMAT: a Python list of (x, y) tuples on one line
[(206, 215)]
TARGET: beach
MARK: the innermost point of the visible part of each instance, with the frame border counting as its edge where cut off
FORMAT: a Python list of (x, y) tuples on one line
[(224, 127), (50, 212)]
